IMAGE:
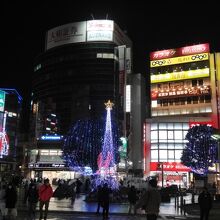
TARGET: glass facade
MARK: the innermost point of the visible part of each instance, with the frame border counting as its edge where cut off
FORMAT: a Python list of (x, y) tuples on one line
[(168, 141)]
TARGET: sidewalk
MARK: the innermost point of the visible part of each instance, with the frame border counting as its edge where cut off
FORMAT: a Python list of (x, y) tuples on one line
[(119, 211), (167, 210)]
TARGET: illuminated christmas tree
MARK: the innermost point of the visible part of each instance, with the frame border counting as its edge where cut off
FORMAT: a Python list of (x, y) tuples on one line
[(107, 158), (85, 141), (82, 144), (200, 152)]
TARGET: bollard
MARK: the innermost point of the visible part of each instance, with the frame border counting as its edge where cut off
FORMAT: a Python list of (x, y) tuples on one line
[(193, 197), (175, 201), (181, 203), (184, 207)]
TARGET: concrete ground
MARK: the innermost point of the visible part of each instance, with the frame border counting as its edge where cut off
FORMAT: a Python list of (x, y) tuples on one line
[(81, 210)]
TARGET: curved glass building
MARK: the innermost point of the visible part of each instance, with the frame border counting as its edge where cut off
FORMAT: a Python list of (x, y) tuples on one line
[(84, 65)]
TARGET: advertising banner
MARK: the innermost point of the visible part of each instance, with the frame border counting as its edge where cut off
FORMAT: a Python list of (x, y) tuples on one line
[(178, 60), (100, 30), (183, 75), (183, 51), (169, 166), (66, 34)]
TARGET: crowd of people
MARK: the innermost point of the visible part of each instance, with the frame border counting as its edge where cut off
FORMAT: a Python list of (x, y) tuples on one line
[(34, 192), (40, 193)]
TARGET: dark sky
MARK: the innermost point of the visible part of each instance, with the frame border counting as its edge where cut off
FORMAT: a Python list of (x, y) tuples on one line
[(151, 26)]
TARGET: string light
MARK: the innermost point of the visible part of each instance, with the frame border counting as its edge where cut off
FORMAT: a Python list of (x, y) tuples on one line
[(94, 144), (200, 152)]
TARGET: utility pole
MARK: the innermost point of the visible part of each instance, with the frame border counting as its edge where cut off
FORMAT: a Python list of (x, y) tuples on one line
[(162, 174)]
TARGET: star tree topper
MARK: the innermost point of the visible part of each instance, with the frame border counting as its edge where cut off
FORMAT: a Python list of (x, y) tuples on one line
[(109, 105)]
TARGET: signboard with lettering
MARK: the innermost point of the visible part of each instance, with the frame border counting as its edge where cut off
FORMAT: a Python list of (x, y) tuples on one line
[(183, 51), (169, 166), (190, 91), (66, 34), (46, 165), (178, 60), (174, 76), (100, 30)]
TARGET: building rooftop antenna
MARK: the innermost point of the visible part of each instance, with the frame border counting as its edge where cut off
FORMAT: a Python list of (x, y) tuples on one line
[(92, 16)]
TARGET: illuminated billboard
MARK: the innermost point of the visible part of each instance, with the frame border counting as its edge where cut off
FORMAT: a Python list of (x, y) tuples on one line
[(100, 30), (182, 75), (183, 92), (183, 51), (2, 101), (178, 60), (170, 166), (4, 140), (66, 34)]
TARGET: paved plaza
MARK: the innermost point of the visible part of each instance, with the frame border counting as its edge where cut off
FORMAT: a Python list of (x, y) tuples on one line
[(81, 210)]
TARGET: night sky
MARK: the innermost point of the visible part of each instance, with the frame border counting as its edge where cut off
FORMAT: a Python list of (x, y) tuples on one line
[(150, 26)]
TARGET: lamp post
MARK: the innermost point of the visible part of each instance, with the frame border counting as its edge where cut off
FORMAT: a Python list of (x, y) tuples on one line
[(162, 174), (160, 167)]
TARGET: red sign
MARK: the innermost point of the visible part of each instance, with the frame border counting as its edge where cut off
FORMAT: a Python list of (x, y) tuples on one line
[(169, 166), (197, 123), (183, 51), (200, 48), (163, 54)]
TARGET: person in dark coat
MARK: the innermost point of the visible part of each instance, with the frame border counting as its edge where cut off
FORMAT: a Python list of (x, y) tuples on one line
[(11, 200), (132, 199), (99, 196), (150, 200), (105, 200), (205, 203), (78, 187), (32, 197)]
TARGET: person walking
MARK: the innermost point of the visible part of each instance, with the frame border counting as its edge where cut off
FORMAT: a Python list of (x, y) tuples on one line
[(99, 196), (32, 198), (45, 194), (78, 187), (150, 200), (105, 200), (2, 199), (132, 198), (10, 201), (205, 203)]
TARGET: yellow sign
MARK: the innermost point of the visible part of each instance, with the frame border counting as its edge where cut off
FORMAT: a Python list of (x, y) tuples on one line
[(191, 74), (177, 60)]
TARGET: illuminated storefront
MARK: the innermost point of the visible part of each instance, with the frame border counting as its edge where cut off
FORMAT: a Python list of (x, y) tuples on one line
[(183, 92), (10, 108)]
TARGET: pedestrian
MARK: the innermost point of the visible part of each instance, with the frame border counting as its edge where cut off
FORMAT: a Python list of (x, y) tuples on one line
[(26, 186), (150, 200), (99, 196), (71, 192), (214, 190), (105, 200), (2, 199), (78, 187), (45, 194), (11, 200), (132, 199), (205, 203), (32, 198)]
